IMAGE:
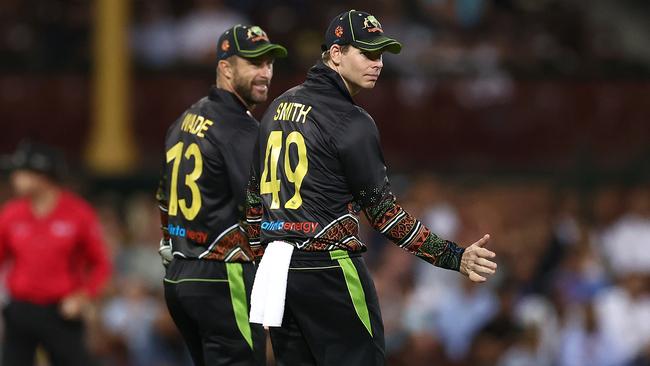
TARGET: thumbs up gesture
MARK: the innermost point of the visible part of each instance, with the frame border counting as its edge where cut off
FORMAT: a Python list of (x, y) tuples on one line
[(475, 262)]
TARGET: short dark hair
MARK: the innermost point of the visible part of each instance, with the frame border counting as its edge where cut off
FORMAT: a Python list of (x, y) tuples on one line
[(325, 56)]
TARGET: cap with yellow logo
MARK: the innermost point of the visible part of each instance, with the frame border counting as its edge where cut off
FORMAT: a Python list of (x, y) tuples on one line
[(361, 30), (247, 41)]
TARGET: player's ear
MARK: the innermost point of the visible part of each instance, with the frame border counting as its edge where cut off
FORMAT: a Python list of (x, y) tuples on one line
[(225, 69), (335, 54)]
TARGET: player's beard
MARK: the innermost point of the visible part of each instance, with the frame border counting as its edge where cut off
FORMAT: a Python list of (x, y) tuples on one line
[(247, 91)]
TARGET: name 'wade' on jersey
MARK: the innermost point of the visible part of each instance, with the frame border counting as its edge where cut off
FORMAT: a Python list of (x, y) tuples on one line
[(203, 185)]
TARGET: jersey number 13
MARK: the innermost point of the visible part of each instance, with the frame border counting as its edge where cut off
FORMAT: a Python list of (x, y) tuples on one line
[(175, 154)]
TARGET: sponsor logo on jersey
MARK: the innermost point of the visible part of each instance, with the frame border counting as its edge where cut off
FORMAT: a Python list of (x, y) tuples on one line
[(304, 226), (197, 236), (62, 228)]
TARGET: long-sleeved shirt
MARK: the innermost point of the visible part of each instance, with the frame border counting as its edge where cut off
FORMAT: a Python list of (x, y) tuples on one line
[(201, 192), (53, 256), (318, 163)]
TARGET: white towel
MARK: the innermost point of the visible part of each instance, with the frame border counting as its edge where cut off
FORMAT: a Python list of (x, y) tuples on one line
[(270, 286)]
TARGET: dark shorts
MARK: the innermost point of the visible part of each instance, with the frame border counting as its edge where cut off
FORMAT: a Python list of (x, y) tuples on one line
[(29, 325), (210, 302), (332, 315)]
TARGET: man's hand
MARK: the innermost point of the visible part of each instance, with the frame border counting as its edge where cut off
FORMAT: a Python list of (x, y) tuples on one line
[(474, 261), (72, 306), (165, 252)]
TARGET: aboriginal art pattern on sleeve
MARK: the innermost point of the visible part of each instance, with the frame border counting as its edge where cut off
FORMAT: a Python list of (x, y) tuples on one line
[(392, 221), (254, 211)]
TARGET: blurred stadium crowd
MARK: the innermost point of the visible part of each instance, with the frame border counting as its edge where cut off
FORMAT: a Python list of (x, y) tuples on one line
[(444, 37), (574, 281), (573, 286)]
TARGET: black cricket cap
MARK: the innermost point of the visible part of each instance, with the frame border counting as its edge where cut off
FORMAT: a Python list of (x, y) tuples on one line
[(247, 41), (361, 30), (36, 157)]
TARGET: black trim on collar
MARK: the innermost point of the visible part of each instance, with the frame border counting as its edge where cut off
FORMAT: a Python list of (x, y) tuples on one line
[(221, 95), (321, 74)]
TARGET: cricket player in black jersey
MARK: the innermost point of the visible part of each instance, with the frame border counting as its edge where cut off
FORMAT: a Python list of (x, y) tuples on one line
[(319, 164), (201, 195)]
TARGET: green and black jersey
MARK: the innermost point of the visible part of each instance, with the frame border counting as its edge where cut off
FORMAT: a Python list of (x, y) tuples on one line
[(208, 152), (318, 162)]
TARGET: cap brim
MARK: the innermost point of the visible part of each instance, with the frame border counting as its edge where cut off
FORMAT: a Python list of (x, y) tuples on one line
[(380, 43), (276, 50)]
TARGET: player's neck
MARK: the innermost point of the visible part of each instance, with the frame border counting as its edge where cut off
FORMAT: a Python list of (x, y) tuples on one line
[(227, 86), (44, 201), (352, 89)]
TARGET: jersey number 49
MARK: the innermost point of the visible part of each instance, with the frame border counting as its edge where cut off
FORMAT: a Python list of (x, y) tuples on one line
[(270, 182)]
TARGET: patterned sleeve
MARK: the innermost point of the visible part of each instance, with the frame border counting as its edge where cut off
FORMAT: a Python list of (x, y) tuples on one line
[(391, 220), (253, 207), (360, 152), (161, 197)]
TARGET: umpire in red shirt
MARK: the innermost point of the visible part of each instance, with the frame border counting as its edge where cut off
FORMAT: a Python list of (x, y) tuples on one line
[(51, 241)]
